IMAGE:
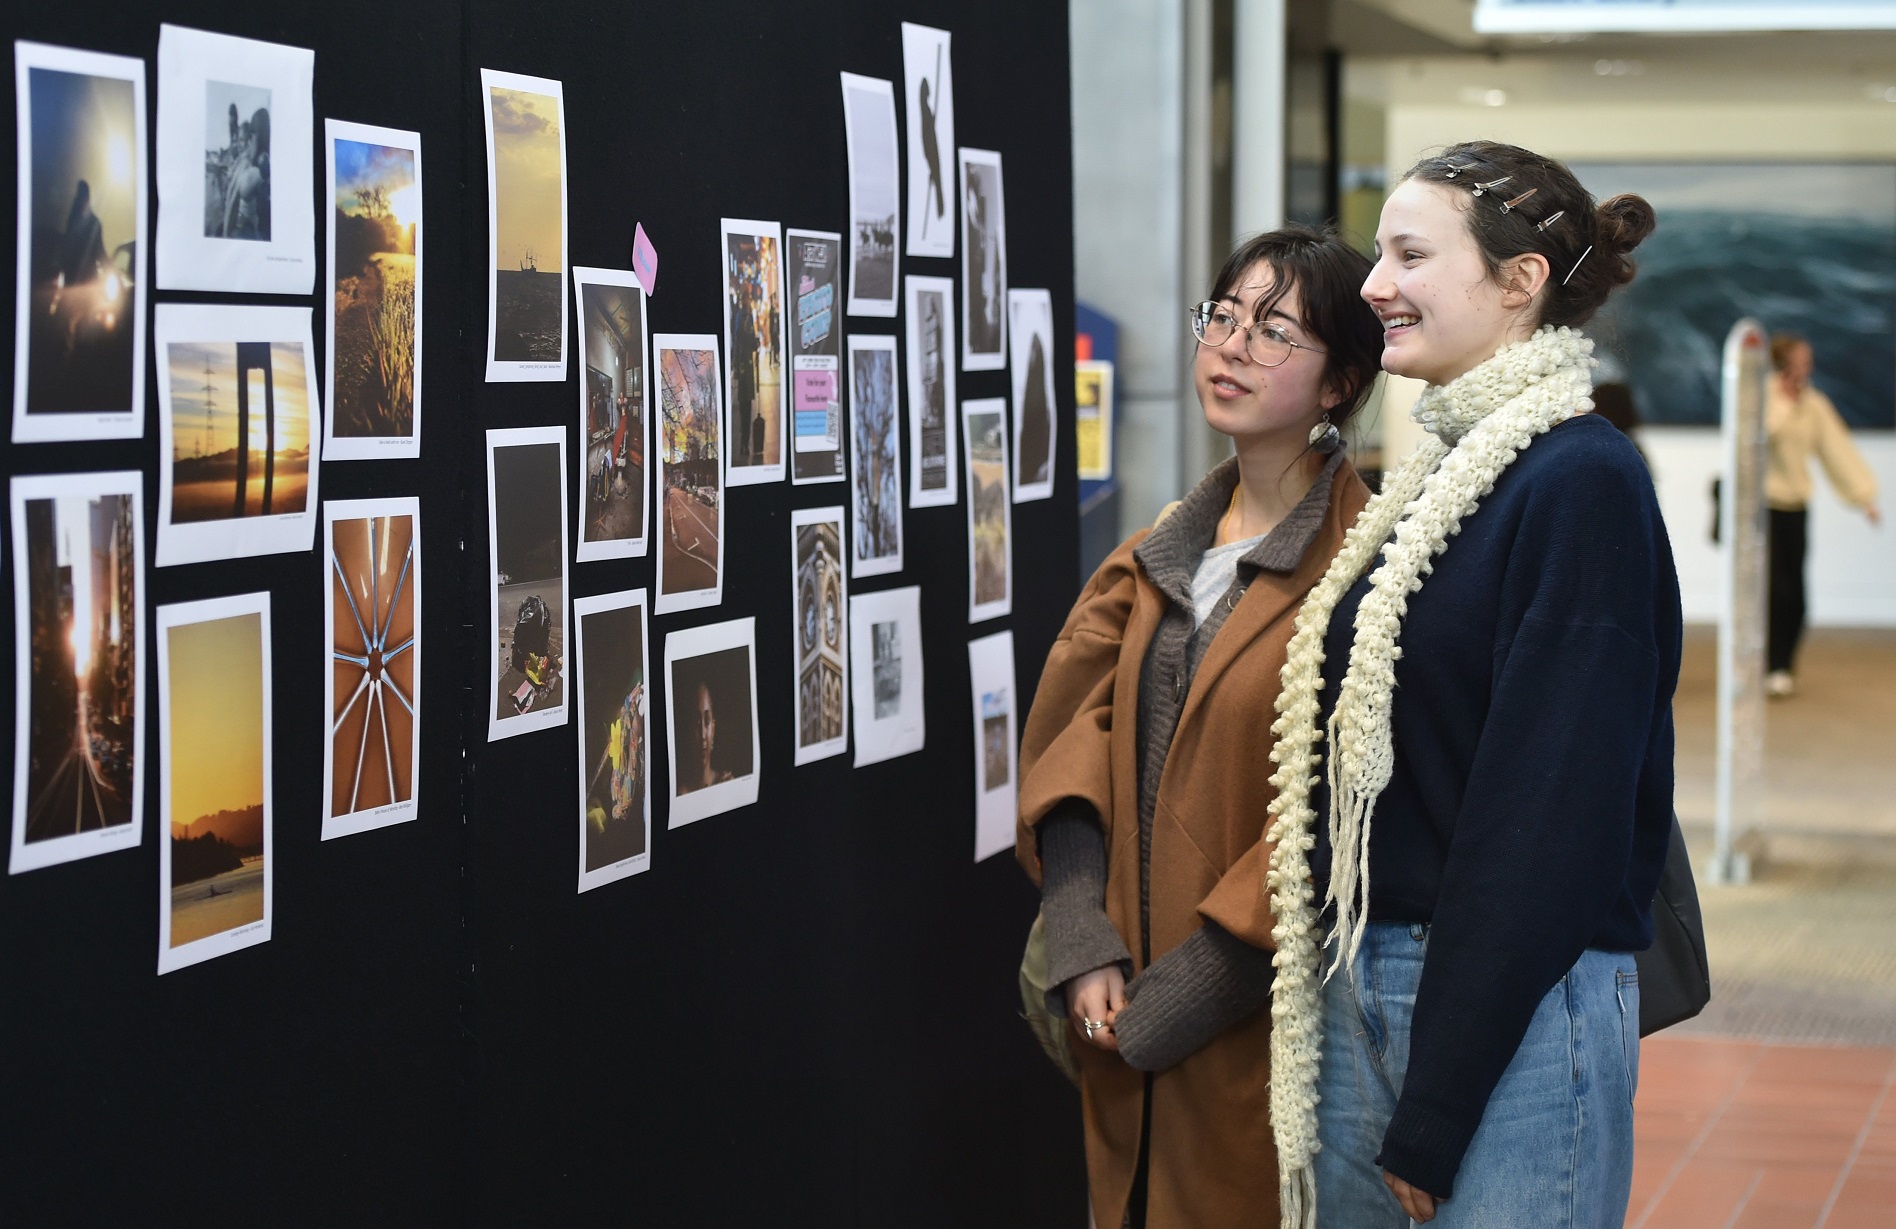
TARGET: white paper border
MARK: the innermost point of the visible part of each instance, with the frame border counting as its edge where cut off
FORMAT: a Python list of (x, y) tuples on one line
[(688, 599), (55, 850), (366, 447), (352, 822), (128, 424), (627, 599), (972, 360), (858, 305), (540, 718), (224, 942), (508, 371), (919, 496), (917, 42), (241, 536), (980, 612), (1019, 347), (837, 316), (991, 665), (746, 475), (740, 791), (883, 565), (613, 548), (187, 259), (905, 732), (826, 748)]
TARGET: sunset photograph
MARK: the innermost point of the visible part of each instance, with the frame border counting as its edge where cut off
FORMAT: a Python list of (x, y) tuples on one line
[(374, 225), (240, 429), (527, 191)]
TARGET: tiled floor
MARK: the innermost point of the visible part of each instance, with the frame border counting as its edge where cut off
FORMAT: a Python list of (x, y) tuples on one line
[(1759, 1135)]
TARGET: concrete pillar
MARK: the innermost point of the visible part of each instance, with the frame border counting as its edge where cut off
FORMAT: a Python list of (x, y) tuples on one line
[(1258, 117)]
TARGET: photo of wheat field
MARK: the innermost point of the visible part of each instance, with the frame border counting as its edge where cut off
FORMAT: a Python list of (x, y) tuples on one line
[(377, 215)]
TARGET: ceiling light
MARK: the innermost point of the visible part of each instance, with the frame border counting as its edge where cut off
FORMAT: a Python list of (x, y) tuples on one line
[(1477, 96)]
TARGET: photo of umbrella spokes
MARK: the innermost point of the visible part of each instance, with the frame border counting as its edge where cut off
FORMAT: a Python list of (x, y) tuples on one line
[(374, 663)]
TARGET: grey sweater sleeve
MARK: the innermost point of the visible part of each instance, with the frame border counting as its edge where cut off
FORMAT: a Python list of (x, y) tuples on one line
[(1190, 995), (1080, 937)]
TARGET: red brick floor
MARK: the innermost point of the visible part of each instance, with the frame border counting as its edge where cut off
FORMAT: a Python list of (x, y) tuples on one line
[(1756, 1135)]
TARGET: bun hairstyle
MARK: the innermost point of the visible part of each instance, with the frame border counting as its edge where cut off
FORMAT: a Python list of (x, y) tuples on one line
[(1328, 274), (1519, 202)]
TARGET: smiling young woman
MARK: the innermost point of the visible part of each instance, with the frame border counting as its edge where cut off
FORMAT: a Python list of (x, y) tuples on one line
[(1486, 671), (1142, 787)]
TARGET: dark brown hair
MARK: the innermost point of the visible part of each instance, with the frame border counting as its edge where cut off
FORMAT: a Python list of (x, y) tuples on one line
[(1328, 275), (1782, 345), (1538, 188)]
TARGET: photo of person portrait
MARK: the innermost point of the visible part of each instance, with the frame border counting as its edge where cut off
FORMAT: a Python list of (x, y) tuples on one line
[(235, 396), (690, 473), (934, 477), (374, 667), (821, 596), (615, 808), (991, 682), (614, 414), (814, 260), (876, 477), (374, 300), (525, 121), (214, 704), (526, 531), (79, 339), (885, 673), (990, 511), (983, 262), (711, 682), (79, 653), (235, 164), (754, 348), (1030, 338), (874, 189), (885, 646), (930, 95)]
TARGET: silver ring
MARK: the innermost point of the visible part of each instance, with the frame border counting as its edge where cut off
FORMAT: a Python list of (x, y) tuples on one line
[(1091, 1027)]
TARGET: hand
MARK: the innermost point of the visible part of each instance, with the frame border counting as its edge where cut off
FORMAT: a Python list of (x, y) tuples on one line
[(1097, 996), (1874, 513), (1418, 1203)]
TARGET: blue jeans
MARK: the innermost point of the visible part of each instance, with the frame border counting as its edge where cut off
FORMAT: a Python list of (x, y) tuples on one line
[(1555, 1146)]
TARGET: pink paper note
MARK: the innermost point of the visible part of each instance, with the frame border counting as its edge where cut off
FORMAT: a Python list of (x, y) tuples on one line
[(644, 259)]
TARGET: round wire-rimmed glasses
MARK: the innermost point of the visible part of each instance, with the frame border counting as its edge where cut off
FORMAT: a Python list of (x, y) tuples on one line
[(1213, 324)]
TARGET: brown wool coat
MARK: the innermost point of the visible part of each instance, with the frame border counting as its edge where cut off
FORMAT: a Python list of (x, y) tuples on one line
[(1213, 1161)]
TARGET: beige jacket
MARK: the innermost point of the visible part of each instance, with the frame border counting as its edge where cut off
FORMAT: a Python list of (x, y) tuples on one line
[(1805, 426)]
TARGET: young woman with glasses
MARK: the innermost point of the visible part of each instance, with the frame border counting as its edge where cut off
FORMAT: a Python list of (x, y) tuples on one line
[(1144, 775)]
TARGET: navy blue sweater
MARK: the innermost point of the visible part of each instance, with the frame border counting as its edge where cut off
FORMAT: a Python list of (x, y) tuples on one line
[(1528, 816)]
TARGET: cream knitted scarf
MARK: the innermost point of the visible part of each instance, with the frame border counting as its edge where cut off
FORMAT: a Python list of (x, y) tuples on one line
[(1478, 424)]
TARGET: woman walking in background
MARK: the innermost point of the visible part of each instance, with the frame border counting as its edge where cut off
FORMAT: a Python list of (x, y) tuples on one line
[(1800, 423), (1477, 732), (1142, 782)]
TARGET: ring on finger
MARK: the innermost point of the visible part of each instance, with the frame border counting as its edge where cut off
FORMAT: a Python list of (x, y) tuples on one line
[(1091, 1027)]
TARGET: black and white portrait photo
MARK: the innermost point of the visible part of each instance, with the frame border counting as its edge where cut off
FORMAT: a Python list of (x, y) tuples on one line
[(1030, 339), (885, 664), (929, 100), (934, 479), (983, 262)]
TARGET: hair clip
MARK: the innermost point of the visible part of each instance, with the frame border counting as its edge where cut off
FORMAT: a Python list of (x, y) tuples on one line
[(1577, 264), (1483, 188), (1508, 206), (1454, 170), (1550, 219)]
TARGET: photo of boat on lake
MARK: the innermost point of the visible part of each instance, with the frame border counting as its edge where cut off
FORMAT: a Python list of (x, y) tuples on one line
[(526, 194)]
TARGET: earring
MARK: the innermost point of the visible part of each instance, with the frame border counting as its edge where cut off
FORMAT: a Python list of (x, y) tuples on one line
[(1324, 437)]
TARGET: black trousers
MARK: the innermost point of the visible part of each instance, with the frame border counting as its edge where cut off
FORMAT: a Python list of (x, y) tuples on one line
[(1790, 539)]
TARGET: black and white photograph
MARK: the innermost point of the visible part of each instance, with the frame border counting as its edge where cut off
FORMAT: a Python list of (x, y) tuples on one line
[(929, 99), (875, 223), (79, 304), (614, 414), (611, 658), (820, 596), (373, 288), (236, 164), (237, 421), (996, 781), (690, 473), (929, 313), (526, 542), (79, 666), (525, 123), (711, 719), (875, 440), (754, 324), (990, 511), (885, 662), (1030, 342), (983, 262), (813, 262)]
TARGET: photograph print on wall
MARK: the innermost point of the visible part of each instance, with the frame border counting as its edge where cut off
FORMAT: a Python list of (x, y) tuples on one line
[(991, 677), (525, 119), (874, 194), (885, 664), (236, 424), (374, 293), (79, 305), (753, 349), (934, 480), (235, 164), (614, 414), (816, 333), (615, 797), (875, 441), (983, 262), (1030, 339), (711, 719), (690, 473), (79, 661), (990, 511), (928, 73), (820, 593), (526, 542)]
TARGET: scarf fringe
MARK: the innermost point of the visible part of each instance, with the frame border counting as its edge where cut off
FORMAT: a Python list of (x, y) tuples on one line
[(1297, 1197)]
